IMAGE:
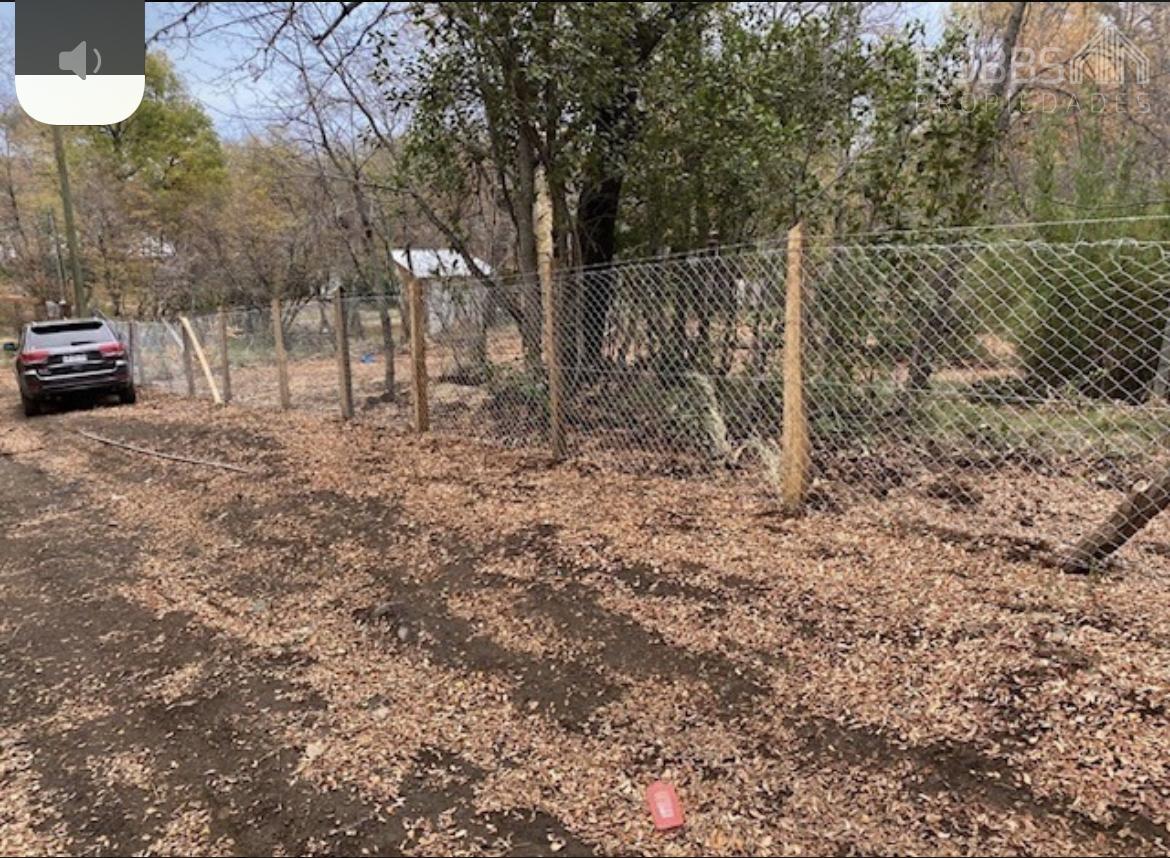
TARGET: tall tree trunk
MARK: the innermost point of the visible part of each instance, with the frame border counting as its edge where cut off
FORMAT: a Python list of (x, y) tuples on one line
[(387, 326), (597, 212), (934, 328), (529, 299), (325, 326), (353, 321), (598, 206)]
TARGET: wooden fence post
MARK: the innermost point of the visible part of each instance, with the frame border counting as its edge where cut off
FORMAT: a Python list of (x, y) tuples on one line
[(795, 439), (133, 347), (281, 356), (543, 221), (344, 377), (387, 326), (188, 367), (418, 353), (225, 363)]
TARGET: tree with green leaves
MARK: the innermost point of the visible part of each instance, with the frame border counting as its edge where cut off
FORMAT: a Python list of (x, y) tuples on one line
[(507, 89), (139, 181)]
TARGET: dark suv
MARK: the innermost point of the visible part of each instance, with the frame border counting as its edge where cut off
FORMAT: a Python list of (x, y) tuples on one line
[(71, 356)]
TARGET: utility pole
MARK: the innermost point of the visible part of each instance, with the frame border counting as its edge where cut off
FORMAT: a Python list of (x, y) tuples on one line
[(70, 228)]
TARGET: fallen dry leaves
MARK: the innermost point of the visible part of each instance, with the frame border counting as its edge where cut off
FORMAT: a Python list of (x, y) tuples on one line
[(506, 637)]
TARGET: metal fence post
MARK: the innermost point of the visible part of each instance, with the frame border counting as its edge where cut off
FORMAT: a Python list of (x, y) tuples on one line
[(281, 356), (795, 437), (344, 377)]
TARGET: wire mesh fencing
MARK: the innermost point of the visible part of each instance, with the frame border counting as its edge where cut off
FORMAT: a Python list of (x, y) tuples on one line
[(157, 353), (978, 357), (675, 361), (244, 342), (378, 353), (1031, 374), (486, 373), (1051, 356)]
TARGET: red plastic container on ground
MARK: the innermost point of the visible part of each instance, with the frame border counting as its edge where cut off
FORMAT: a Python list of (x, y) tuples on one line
[(665, 808)]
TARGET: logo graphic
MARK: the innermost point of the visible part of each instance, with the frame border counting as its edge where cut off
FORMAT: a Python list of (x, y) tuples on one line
[(1110, 57), (1109, 73)]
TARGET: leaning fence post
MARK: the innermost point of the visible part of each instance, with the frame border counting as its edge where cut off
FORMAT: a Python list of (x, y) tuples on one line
[(344, 378), (418, 353), (188, 367), (225, 363), (281, 355), (795, 438), (543, 220)]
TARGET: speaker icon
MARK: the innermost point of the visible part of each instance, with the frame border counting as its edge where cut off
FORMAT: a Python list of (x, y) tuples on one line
[(76, 60)]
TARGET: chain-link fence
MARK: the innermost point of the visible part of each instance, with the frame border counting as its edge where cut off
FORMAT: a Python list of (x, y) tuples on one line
[(973, 358), (1052, 356)]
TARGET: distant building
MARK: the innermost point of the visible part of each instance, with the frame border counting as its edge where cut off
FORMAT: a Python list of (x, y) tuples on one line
[(457, 305), (427, 264)]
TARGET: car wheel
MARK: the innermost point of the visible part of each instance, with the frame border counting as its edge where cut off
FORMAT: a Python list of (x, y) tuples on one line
[(128, 395), (32, 407)]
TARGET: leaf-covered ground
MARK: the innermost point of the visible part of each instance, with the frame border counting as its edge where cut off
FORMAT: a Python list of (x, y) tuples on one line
[(378, 643)]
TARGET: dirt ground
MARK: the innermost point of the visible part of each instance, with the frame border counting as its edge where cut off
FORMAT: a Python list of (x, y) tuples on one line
[(374, 643)]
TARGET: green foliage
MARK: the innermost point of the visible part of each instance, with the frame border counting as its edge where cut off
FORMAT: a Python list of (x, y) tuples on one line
[(140, 187), (1091, 317), (929, 138), (745, 120), (743, 117), (167, 151), (1094, 321)]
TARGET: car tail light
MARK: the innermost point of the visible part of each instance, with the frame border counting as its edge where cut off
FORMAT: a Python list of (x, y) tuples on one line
[(112, 349), (35, 357)]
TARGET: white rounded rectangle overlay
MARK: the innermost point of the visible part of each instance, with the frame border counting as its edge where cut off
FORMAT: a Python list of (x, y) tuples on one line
[(65, 99)]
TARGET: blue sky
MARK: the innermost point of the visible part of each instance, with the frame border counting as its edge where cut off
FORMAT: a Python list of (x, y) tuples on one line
[(235, 104)]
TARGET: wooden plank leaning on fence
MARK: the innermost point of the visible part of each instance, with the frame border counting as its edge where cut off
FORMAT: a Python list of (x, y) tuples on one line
[(225, 363), (344, 375), (795, 454), (418, 352), (189, 336), (543, 225), (281, 356)]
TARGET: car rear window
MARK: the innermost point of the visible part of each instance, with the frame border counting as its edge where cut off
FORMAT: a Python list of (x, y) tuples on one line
[(58, 334)]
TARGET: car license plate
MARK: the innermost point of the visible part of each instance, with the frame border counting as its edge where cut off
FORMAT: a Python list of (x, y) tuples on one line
[(73, 358)]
